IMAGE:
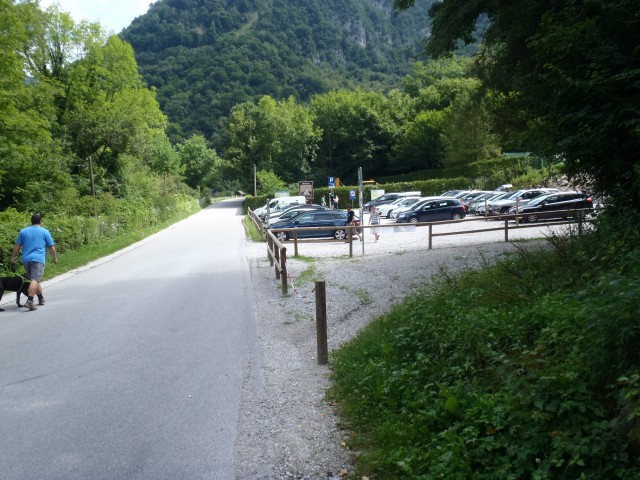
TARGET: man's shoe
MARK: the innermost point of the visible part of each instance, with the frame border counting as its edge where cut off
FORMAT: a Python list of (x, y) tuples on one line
[(29, 304), (41, 301)]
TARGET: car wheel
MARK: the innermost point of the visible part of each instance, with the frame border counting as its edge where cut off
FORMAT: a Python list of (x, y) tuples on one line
[(413, 220), (340, 234), (282, 236), (456, 216), (531, 218)]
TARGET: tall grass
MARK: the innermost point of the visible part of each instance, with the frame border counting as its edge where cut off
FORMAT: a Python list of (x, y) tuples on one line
[(526, 369)]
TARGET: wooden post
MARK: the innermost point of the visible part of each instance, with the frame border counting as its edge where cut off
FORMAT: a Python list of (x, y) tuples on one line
[(295, 242), (321, 323), (276, 252), (580, 219), (430, 236), (350, 234), (285, 277), (506, 230), (270, 249)]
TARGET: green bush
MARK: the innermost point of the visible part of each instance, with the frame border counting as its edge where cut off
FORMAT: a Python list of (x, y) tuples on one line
[(528, 369)]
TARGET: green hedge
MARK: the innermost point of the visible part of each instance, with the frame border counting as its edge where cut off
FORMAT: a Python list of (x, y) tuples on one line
[(425, 187)]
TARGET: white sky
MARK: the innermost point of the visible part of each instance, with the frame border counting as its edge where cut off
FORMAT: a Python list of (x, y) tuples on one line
[(114, 15)]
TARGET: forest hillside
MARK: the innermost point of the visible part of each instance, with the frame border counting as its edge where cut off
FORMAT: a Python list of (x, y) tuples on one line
[(205, 56)]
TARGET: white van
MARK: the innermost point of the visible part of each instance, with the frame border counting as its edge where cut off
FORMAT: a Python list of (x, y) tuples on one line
[(280, 203)]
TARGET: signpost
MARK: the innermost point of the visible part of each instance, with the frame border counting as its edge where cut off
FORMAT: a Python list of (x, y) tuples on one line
[(306, 188), (361, 207)]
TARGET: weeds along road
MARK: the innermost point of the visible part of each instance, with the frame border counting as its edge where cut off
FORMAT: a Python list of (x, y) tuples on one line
[(134, 367)]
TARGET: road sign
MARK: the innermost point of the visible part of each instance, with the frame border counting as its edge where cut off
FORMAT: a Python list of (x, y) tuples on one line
[(332, 182), (352, 194)]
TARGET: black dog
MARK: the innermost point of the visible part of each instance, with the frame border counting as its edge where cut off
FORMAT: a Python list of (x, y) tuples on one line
[(17, 284)]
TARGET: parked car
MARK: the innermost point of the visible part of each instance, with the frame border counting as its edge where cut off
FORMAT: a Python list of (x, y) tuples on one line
[(316, 218), (551, 205), (434, 210), (386, 209), (388, 198), (501, 207), (469, 198), (279, 203), (477, 207), (397, 211), (452, 193), (291, 212)]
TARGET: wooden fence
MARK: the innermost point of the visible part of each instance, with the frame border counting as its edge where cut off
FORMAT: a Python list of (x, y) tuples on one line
[(277, 255), (506, 224)]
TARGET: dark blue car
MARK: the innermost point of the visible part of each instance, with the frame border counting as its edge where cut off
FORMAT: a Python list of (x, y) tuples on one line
[(318, 218), (434, 211)]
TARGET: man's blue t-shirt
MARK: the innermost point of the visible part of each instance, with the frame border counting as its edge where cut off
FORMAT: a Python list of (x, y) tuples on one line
[(34, 240)]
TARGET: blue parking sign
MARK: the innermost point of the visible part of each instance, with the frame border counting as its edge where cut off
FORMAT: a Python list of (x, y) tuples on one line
[(352, 194), (332, 182)]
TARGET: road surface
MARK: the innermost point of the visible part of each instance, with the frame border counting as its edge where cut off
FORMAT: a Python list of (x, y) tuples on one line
[(134, 367)]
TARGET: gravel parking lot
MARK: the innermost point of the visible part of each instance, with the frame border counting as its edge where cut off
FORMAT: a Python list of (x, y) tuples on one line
[(288, 429)]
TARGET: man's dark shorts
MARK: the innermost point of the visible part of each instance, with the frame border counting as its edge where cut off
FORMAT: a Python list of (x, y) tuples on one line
[(34, 270)]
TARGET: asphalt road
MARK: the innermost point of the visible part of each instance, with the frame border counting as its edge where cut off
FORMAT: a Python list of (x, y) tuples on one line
[(133, 369)]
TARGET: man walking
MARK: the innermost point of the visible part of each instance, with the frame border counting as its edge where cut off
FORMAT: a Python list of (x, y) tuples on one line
[(34, 242)]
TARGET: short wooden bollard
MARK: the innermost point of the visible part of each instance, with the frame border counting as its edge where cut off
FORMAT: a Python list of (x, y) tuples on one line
[(321, 323), (284, 275)]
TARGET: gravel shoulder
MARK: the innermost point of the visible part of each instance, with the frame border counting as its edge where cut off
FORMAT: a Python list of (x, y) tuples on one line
[(287, 428)]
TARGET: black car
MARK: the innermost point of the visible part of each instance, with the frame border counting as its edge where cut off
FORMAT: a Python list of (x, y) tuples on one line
[(317, 218), (553, 205), (434, 211)]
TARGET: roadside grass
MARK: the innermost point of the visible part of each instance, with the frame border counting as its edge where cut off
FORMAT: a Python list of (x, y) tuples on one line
[(309, 274), (526, 369), (251, 230), (362, 294)]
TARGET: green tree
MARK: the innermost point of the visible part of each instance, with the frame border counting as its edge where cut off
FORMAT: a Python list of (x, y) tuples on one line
[(108, 109), (566, 72), (201, 164), (32, 169), (467, 131), (277, 136), (421, 145), (269, 183), (435, 84), (358, 130)]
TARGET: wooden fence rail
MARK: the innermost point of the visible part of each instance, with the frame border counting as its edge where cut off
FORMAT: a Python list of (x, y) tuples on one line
[(277, 255), (505, 226)]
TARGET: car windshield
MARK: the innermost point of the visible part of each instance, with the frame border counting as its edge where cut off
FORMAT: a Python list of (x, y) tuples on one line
[(500, 196), (514, 195), (552, 196)]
